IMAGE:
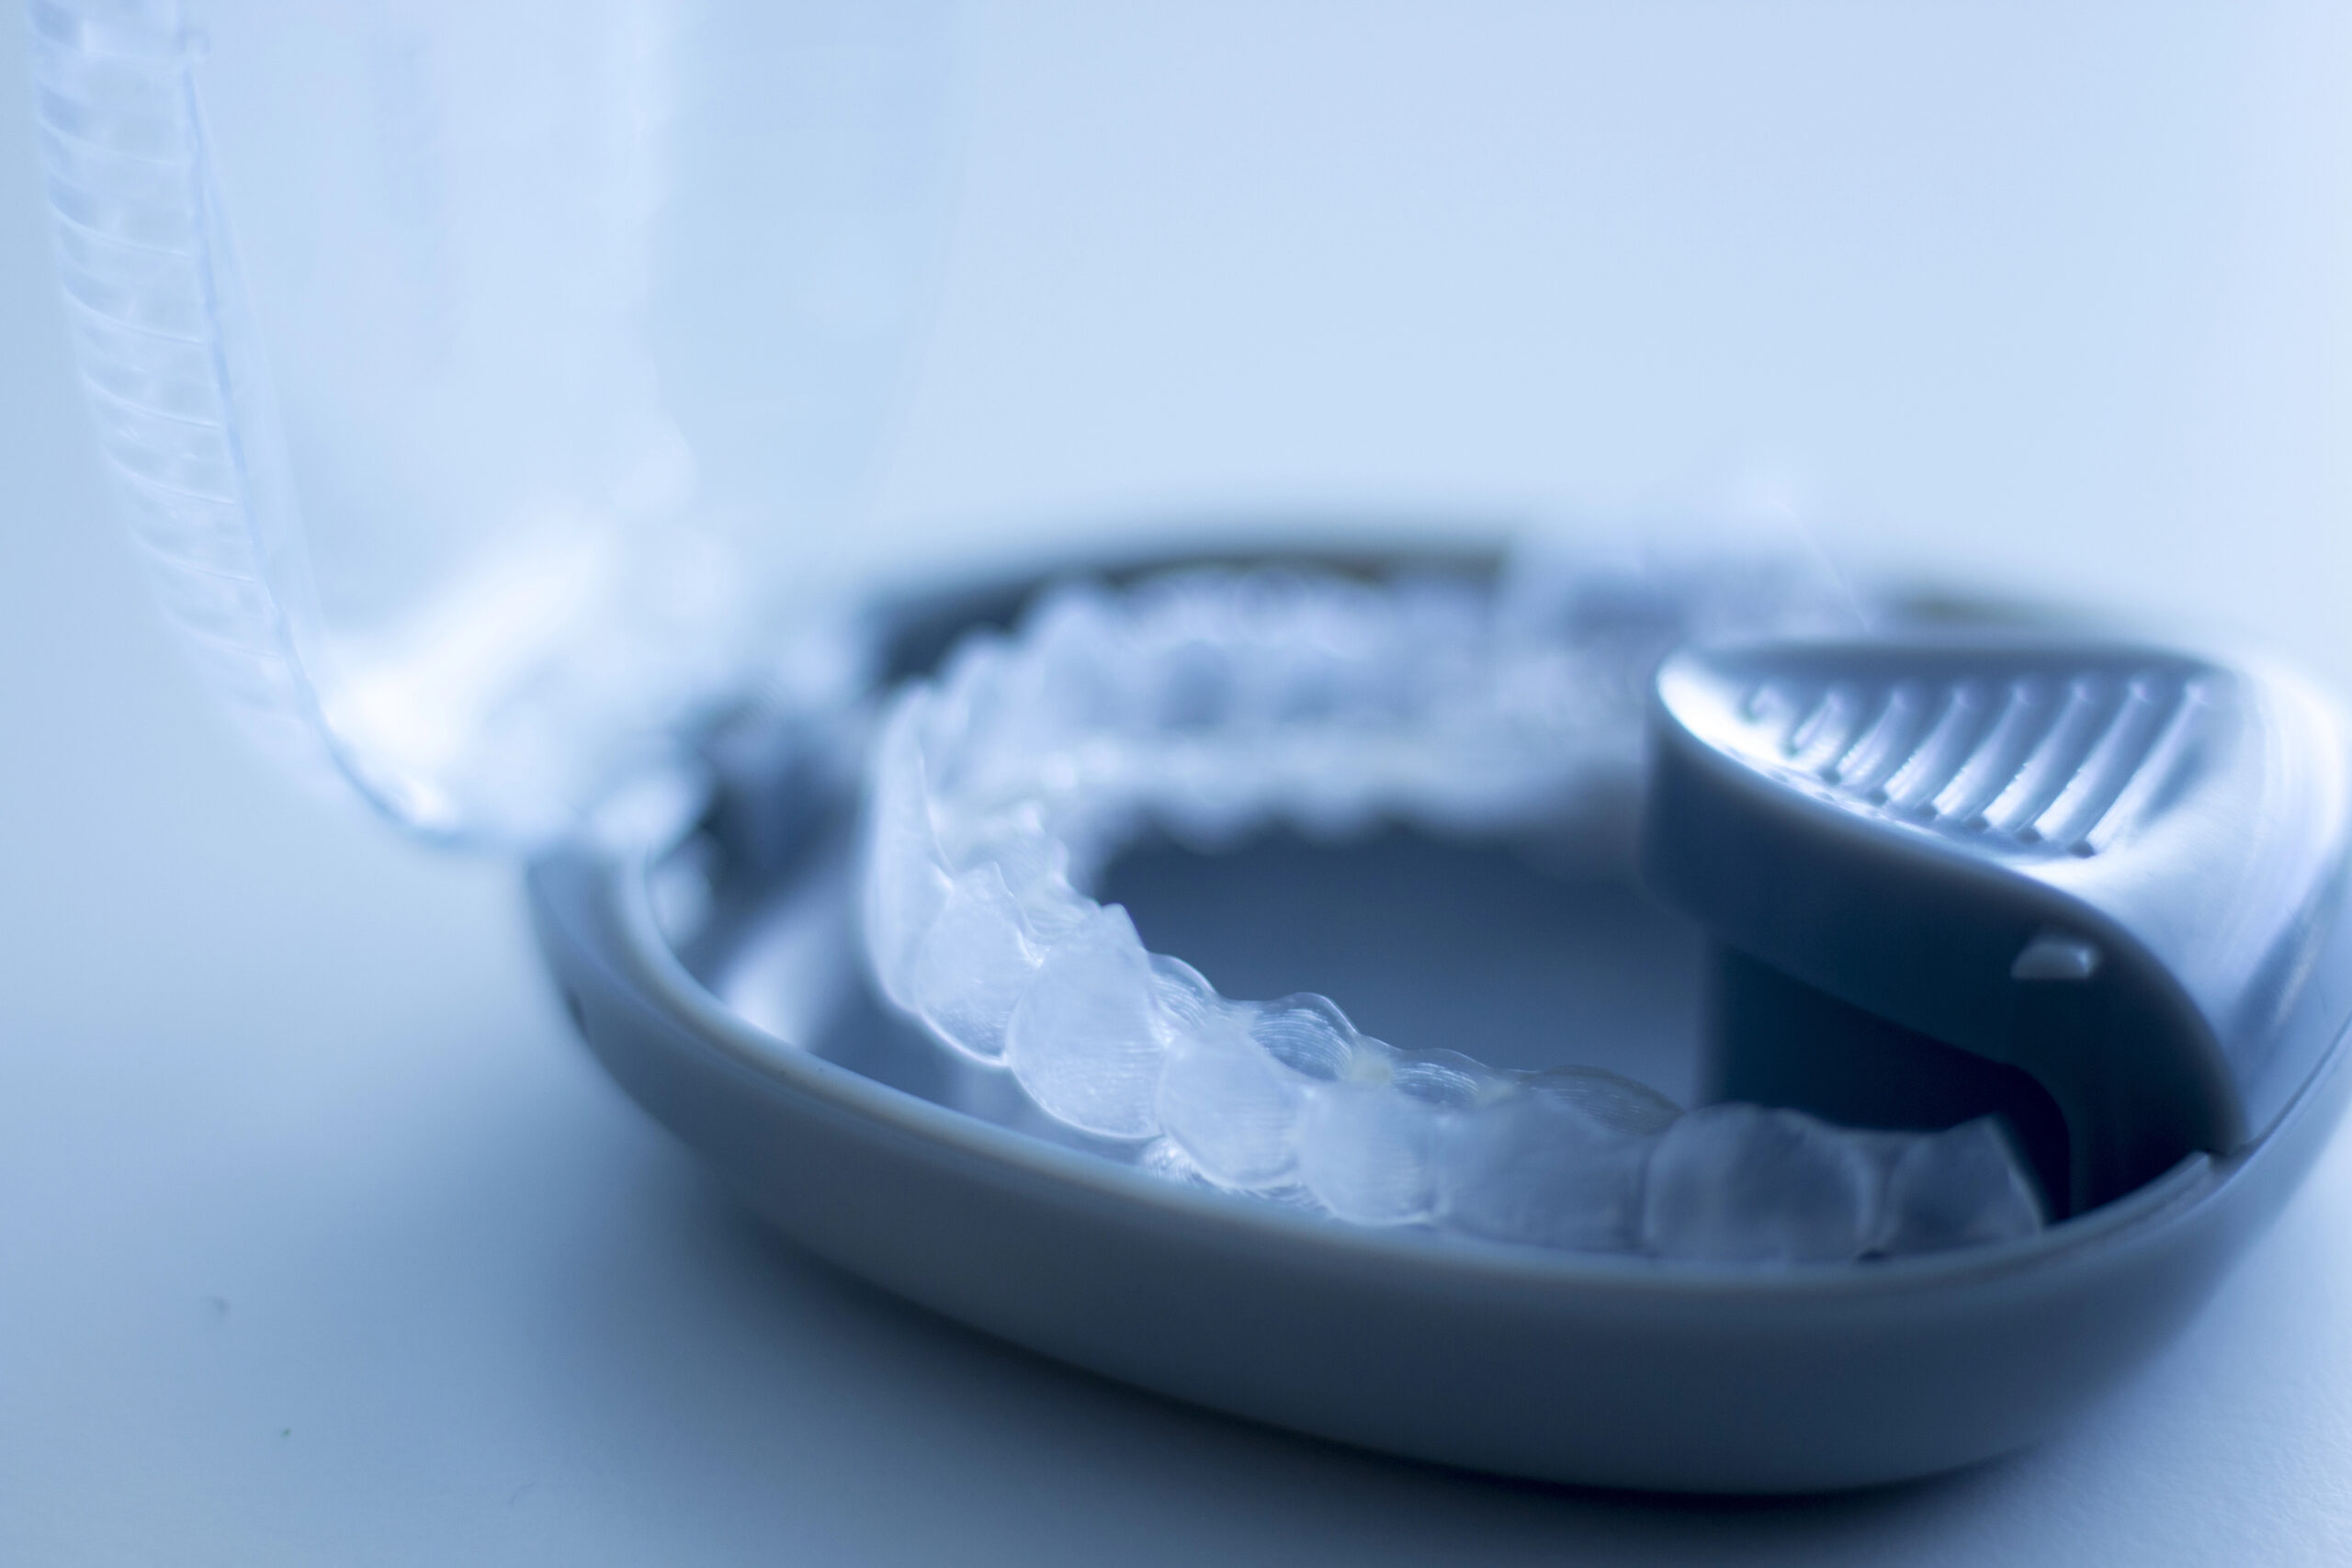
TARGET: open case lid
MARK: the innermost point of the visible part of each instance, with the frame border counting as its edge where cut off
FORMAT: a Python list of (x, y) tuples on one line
[(492, 384)]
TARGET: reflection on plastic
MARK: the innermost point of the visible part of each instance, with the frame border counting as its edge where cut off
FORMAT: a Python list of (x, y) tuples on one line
[(480, 418)]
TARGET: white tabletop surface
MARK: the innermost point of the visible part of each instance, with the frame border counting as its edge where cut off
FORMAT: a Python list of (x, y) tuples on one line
[(322, 1242)]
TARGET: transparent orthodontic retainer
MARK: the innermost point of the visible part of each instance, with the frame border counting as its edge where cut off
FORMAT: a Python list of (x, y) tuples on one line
[(524, 598)]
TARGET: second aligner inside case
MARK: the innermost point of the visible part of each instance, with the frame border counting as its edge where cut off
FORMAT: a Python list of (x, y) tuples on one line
[(1211, 703)]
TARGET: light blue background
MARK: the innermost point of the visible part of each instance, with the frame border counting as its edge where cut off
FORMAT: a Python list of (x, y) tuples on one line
[(322, 1242)]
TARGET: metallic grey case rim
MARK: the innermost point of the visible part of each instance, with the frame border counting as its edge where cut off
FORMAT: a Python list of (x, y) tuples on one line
[(1608, 1371)]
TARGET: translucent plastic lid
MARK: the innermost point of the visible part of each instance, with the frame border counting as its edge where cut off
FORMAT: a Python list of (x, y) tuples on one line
[(491, 382), (497, 384)]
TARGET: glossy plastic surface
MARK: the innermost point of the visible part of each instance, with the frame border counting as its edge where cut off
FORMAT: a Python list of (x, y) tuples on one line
[(737, 1016), (493, 386), (2118, 868), (1612, 1372)]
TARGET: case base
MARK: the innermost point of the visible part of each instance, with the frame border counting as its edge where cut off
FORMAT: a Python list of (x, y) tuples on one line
[(844, 1128)]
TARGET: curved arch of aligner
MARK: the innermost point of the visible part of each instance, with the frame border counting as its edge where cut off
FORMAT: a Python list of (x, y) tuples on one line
[(1214, 703)]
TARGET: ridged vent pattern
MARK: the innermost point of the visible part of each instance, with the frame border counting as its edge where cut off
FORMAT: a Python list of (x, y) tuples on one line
[(2056, 762), (137, 253)]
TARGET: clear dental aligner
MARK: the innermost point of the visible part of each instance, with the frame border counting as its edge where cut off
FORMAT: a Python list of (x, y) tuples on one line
[(1211, 703)]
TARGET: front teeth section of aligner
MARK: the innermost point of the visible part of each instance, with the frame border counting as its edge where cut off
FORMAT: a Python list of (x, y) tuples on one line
[(1212, 704)]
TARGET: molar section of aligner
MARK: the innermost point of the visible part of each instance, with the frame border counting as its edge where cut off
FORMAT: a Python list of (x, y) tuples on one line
[(1370, 1137), (1557, 1159), (1748, 1184), (1238, 1079), (1957, 1188), (1743, 1183), (1230, 1105)]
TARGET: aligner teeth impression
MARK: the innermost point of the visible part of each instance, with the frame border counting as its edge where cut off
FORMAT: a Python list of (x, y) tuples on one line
[(1214, 703)]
